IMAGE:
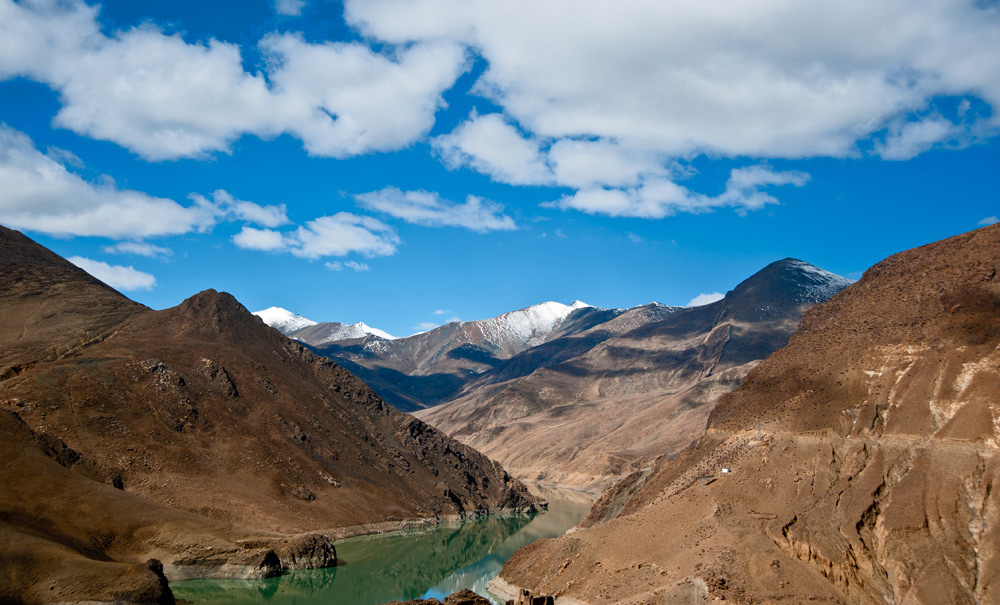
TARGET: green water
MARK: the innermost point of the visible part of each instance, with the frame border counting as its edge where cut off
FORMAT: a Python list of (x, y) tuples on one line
[(402, 565)]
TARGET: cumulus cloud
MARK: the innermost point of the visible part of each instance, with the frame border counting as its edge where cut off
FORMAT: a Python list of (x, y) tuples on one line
[(138, 248), (494, 147), (765, 78), (116, 276), (430, 209), (491, 145), (587, 163), (250, 238), (657, 198), (705, 299), (337, 235), (39, 194), (342, 234), (163, 97), (442, 311), (989, 220), (424, 326)]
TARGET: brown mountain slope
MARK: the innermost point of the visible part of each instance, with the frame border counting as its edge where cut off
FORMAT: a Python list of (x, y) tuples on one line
[(615, 402), (205, 410), (871, 479)]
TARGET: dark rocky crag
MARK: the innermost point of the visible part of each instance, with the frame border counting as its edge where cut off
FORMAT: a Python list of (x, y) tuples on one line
[(862, 461), (136, 434)]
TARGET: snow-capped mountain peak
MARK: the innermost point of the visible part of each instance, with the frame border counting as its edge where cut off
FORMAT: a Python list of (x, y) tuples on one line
[(284, 320), (530, 325)]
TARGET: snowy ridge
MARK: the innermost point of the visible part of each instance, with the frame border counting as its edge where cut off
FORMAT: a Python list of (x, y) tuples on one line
[(337, 331), (284, 320), (817, 284), (529, 326)]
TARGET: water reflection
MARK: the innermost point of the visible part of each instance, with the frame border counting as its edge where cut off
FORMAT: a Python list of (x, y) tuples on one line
[(401, 565)]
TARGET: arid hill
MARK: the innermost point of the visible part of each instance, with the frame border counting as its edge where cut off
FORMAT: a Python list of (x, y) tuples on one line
[(862, 461), (594, 405), (137, 433)]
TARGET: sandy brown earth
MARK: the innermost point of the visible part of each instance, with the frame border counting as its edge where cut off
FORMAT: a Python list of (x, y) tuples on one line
[(863, 462), (627, 397), (168, 433)]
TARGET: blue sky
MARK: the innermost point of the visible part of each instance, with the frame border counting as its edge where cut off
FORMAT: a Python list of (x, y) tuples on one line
[(382, 160)]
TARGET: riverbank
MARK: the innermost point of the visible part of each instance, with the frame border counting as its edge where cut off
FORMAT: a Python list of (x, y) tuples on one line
[(430, 558)]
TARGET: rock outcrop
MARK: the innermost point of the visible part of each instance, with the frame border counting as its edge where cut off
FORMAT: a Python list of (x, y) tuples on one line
[(462, 597)]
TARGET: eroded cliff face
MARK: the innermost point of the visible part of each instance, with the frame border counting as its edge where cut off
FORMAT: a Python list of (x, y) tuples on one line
[(861, 458)]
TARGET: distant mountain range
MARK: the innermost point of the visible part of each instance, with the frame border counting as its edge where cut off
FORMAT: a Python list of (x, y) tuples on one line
[(578, 394)]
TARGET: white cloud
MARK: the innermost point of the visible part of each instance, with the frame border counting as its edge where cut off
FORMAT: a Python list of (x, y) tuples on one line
[(265, 216), (635, 239), (292, 8), (337, 235), (116, 276), (657, 198), (704, 299), (268, 240), (587, 163), (989, 220), (138, 248), (762, 78), (494, 147), (342, 234), (424, 326), (429, 209), (164, 98), (40, 194), (350, 264), (442, 311), (910, 139), (380, 103)]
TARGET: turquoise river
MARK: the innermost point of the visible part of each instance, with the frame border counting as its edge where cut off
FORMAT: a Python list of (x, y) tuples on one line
[(433, 562)]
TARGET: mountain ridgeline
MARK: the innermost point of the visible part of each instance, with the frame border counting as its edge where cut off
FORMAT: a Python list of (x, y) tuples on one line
[(576, 395), (197, 436)]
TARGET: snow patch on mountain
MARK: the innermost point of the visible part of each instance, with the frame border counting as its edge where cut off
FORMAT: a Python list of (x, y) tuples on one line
[(284, 320), (338, 331), (818, 285), (529, 326)]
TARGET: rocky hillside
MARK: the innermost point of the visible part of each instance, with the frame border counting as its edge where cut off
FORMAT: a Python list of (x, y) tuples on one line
[(200, 413), (861, 459), (604, 401)]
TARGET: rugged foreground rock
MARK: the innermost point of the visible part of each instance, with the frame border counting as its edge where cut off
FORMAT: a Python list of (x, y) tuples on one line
[(129, 434), (462, 597), (861, 458)]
